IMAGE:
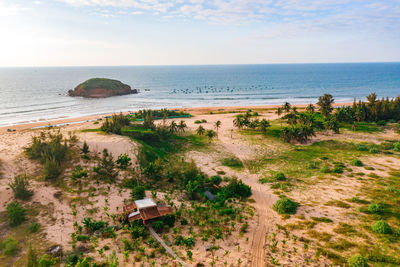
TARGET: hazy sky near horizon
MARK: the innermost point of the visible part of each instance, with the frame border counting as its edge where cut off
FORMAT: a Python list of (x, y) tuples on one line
[(159, 32)]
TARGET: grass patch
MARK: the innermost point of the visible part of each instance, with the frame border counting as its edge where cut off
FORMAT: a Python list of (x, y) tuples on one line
[(321, 219), (232, 162), (338, 203)]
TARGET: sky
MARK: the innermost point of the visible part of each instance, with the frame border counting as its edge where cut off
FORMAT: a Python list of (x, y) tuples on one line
[(181, 32)]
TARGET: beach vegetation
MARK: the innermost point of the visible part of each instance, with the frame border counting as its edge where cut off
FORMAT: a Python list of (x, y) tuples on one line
[(9, 246), (210, 134), (115, 123), (325, 104), (51, 150), (381, 227), (16, 213), (85, 150), (20, 187), (105, 169), (232, 162), (285, 206), (357, 261), (124, 161)]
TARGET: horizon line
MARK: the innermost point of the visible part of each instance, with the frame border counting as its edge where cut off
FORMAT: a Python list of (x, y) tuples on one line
[(217, 64)]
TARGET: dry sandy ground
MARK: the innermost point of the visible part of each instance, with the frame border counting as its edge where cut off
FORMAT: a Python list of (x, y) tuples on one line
[(254, 252)]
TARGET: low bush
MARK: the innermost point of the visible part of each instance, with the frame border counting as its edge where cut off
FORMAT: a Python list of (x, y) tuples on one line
[(285, 206), (16, 213), (396, 146), (356, 162), (20, 187), (375, 208), (138, 192), (9, 246), (338, 169), (51, 150), (34, 227), (382, 227), (361, 147), (232, 162), (325, 169), (280, 176), (124, 161), (357, 261), (381, 123), (78, 172)]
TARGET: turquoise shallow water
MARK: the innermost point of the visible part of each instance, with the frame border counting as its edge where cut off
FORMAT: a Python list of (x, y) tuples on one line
[(32, 94)]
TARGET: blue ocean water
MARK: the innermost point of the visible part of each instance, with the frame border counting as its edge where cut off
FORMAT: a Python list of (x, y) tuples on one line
[(33, 94)]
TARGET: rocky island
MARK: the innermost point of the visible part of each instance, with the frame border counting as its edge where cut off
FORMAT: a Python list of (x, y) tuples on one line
[(101, 87)]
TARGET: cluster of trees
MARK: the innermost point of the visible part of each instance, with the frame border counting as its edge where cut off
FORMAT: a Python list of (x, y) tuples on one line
[(51, 150), (245, 121), (158, 114), (115, 123), (209, 133), (373, 110), (303, 125)]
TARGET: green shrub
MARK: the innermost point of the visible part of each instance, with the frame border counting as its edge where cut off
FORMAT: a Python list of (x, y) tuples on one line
[(169, 220), (51, 150), (357, 261), (138, 192), (325, 169), (381, 123), (236, 188), (375, 208), (280, 176), (285, 206), (47, 261), (373, 150), (78, 172), (34, 227), (9, 246), (105, 167), (361, 147), (312, 165), (382, 227), (337, 169), (51, 168), (356, 162), (216, 179), (396, 146), (82, 238), (85, 150), (16, 213), (20, 186), (158, 226), (31, 257), (232, 162), (124, 161)]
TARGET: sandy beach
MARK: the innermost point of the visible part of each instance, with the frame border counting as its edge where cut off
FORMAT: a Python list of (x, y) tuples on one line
[(193, 111)]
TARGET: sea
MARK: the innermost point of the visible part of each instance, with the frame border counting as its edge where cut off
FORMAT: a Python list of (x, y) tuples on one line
[(32, 94)]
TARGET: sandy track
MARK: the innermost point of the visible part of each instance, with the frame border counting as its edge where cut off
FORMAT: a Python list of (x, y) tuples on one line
[(262, 194)]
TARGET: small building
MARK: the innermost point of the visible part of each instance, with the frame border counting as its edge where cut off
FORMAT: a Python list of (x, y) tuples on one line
[(146, 209)]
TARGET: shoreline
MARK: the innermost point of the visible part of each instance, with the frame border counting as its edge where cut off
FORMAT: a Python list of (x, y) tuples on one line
[(194, 111)]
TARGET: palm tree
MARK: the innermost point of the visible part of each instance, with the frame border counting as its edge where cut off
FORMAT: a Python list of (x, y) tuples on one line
[(210, 134), (310, 108), (286, 107), (238, 121), (173, 128), (217, 125), (182, 126), (279, 111), (264, 124), (200, 130)]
